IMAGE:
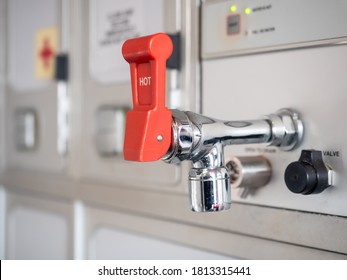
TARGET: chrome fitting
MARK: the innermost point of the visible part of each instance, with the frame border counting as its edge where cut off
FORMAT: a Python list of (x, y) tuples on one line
[(287, 129)]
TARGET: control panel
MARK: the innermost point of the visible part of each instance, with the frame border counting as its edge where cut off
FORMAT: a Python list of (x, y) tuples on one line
[(248, 26), (298, 59)]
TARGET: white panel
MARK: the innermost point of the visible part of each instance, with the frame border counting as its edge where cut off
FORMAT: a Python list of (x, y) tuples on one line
[(241, 26), (313, 81), (114, 235), (111, 23), (36, 232), (2, 84), (110, 243), (25, 18), (151, 16), (44, 156)]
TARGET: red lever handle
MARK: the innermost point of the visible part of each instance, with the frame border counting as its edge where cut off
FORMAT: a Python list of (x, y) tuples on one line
[(148, 125)]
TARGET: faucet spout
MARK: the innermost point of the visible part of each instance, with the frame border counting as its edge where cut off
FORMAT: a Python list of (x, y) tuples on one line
[(209, 182)]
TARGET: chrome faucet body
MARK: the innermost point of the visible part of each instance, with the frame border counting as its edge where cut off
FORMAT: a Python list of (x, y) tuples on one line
[(202, 140)]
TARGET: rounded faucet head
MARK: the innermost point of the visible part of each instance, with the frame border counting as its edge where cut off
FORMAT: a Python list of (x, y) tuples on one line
[(209, 189)]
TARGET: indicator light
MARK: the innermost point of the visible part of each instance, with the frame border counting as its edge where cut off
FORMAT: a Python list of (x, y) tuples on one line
[(248, 11), (233, 8)]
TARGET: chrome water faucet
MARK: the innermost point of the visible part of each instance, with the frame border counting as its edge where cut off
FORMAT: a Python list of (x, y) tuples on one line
[(154, 132)]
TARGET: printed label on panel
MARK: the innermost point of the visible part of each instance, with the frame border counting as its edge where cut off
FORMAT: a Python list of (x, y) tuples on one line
[(113, 22), (46, 45)]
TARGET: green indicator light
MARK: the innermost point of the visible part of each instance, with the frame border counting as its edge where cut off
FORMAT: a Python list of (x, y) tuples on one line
[(233, 8), (248, 11)]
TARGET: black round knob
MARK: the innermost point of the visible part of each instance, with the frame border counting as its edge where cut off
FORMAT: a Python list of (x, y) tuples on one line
[(309, 174), (300, 178)]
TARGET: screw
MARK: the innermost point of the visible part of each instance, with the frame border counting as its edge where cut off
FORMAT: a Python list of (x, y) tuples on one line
[(160, 138)]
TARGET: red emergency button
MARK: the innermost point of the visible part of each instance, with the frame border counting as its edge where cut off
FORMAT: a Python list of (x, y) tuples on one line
[(148, 125)]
